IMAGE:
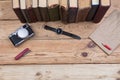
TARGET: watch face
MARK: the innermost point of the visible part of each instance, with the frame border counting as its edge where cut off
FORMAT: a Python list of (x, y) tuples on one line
[(59, 31), (22, 33)]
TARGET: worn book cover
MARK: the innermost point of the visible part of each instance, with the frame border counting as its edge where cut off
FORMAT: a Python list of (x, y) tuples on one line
[(93, 10), (84, 7), (36, 9), (107, 35), (30, 11), (44, 10), (53, 10), (17, 10), (64, 10), (72, 10), (103, 7), (26, 8)]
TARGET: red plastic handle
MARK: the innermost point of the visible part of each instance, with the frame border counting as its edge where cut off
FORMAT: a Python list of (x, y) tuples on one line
[(107, 47), (21, 54)]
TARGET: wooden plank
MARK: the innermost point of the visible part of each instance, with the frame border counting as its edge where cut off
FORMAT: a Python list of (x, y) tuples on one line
[(61, 72), (81, 29), (6, 12), (55, 52), (49, 48)]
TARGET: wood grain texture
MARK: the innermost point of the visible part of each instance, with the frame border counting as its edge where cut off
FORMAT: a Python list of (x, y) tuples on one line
[(49, 48), (61, 72), (6, 12), (85, 29), (54, 52)]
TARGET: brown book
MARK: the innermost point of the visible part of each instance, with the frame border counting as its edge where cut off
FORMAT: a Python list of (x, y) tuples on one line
[(36, 9), (27, 11), (44, 10), (30, 11), (24, 10), (17, 10), (64, 10), (72, 10), (103, 7), (84, 7), (93, 10), (53, 10)]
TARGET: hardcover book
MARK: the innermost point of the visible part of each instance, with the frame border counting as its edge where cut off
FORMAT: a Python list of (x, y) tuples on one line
[(44, 10), (36, 9), (17, 10), (72, 10), (23, 9), (103, 7), (53, 10), (27, 11), (84, 7), (64, 10), (30, 11), (93, 10)]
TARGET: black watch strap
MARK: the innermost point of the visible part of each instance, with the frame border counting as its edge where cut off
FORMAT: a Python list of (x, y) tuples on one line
[(71, 35), (49, 28), (60, 31)]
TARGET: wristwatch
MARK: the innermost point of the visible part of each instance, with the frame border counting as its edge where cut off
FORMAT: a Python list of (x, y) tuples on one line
[(60, 31)]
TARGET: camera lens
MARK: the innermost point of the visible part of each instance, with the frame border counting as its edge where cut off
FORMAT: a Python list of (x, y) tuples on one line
[(22, 33)]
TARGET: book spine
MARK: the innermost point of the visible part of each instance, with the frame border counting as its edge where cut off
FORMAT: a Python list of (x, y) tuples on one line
[(38, 14), (44, 13), (26, 15), (72, 12), (100, 13), (63, 14), (82, 14), (54, 13), (19, 14), (32, 15), (92, 13)]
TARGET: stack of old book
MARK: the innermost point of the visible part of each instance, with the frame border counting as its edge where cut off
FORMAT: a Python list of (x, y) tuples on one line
[(68, 11)]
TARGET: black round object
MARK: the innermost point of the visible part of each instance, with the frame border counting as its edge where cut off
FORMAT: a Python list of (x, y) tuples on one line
[(59, 31)]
